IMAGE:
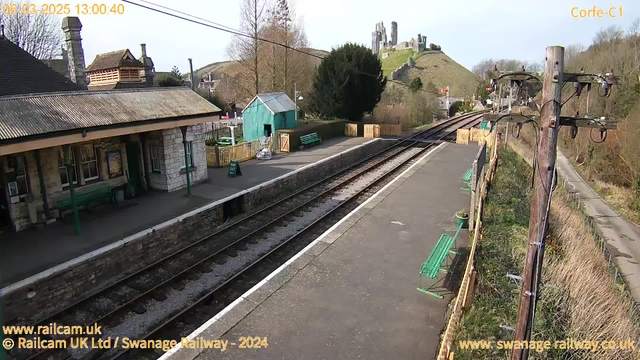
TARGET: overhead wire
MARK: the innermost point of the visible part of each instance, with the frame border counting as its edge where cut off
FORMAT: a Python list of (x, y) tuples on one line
[(236, 32)]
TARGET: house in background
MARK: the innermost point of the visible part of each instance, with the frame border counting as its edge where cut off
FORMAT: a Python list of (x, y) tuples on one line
[(267, 113), (54, 135), (120, 69)]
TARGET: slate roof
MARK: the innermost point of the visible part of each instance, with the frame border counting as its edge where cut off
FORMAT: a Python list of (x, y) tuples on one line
[(58, 65), (113, 60), (21, 73), (275, 102), (39, 114)]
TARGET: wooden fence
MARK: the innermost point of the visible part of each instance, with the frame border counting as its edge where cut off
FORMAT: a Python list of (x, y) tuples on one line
[(463, 300), (390, 129), (226, 154), (351, 130)]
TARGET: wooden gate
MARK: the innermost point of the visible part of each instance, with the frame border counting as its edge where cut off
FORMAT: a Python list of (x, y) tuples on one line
[(284, 142), (371, 130)]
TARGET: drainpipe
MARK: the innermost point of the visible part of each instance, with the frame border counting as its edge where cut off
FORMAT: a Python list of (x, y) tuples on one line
[(74, 205), (186, 157), (43, 188)]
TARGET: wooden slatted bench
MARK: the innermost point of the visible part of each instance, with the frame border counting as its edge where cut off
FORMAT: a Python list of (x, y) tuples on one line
[(434, 263), (85, 198), (309, 139), (466, 179)]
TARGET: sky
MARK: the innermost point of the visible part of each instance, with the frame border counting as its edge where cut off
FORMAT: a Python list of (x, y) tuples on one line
[(468, 30)]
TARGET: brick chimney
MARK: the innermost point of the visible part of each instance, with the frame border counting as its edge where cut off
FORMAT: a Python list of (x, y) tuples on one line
[(149, 71), (71, 27)]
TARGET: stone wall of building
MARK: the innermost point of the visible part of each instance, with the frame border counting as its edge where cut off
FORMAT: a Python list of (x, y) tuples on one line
[(51, 174), (53, 290), (174, 157), (157, 179)]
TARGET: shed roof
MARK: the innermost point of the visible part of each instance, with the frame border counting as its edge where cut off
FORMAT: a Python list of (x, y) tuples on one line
[(21, 73), (37, 114), (275, 102), (113, 60)]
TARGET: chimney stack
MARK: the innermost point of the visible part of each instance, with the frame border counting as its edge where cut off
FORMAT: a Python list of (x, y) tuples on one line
[(71, 27), (149, 69)]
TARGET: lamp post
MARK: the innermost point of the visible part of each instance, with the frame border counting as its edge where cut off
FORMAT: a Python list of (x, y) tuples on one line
[(295, 99)]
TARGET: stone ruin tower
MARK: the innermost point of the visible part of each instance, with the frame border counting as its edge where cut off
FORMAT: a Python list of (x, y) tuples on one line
[(379, 38), (394, 34)]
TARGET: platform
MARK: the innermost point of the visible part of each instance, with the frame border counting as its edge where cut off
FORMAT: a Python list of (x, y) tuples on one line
[(352, 292), (31, 251)]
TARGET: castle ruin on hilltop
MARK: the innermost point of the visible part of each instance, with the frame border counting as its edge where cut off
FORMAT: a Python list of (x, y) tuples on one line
[(379, 40)]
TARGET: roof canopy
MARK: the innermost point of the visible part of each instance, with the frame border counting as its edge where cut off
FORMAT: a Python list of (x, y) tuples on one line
[(275, 102), (37, 114), (113, 60)]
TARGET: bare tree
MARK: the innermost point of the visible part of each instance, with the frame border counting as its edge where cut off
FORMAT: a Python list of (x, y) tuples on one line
[(634, 29), (483, 67), (38, 34), (610, 34), (571, 52), (246, 50), (285, 66)]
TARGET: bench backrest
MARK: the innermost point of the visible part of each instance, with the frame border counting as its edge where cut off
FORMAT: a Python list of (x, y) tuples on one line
[(87, 194), (309, 137)]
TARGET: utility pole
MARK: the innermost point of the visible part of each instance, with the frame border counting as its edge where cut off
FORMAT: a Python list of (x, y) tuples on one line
[(191, 74), (448, 102), (295, 101), (543, 183)]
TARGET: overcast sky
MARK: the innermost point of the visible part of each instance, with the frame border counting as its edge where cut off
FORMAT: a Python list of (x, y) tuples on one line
[(468, 30)]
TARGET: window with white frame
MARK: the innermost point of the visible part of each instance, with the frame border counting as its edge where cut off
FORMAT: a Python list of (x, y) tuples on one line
[(64, 176), (156, 156), (89, 162), (19, 182), (189, 155)]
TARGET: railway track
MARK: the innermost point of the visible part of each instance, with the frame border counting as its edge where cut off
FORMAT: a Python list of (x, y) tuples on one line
[(172, 297)]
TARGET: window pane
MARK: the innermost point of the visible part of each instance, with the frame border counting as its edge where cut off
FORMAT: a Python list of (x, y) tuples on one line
[(64, 180), (93, 168), (22, 185), (85, 171)]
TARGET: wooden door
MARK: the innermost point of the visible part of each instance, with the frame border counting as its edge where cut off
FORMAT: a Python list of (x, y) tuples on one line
[(284, 142)]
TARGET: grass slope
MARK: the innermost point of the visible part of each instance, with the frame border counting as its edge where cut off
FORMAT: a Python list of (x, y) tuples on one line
[(232, 68), (579, 299), (434, 66)]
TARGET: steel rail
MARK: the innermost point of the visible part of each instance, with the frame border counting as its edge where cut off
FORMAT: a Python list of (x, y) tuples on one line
[(271, 251), (411, 140)]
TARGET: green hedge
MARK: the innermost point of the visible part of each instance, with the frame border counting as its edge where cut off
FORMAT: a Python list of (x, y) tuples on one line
[(325, 129)]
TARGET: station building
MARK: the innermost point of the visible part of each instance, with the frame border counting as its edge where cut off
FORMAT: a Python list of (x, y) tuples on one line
[(54, 133)]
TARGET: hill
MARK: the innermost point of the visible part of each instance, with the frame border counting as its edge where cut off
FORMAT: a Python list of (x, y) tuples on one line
[(232, 68), (433, 66)]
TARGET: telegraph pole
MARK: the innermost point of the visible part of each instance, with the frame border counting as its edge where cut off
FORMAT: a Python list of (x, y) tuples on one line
[(543, 182)]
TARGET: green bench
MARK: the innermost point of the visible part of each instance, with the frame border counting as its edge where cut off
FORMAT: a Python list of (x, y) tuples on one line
[(85, 198), (309, 139), (466, 179), (434, 263)]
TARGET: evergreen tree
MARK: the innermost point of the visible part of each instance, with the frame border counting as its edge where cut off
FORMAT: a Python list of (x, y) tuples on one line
[(175, 72), (416, 84), (348, 83)]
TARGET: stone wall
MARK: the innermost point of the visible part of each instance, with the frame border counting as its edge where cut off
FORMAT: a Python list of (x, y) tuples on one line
[(174, 157), (51, 174), (32, 298)]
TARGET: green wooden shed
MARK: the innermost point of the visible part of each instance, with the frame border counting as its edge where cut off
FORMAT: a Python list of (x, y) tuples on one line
[(267, 113)]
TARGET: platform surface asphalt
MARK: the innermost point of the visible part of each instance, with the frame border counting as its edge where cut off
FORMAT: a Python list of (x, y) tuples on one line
[(352, 294), (29, 252), (622, 237)]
